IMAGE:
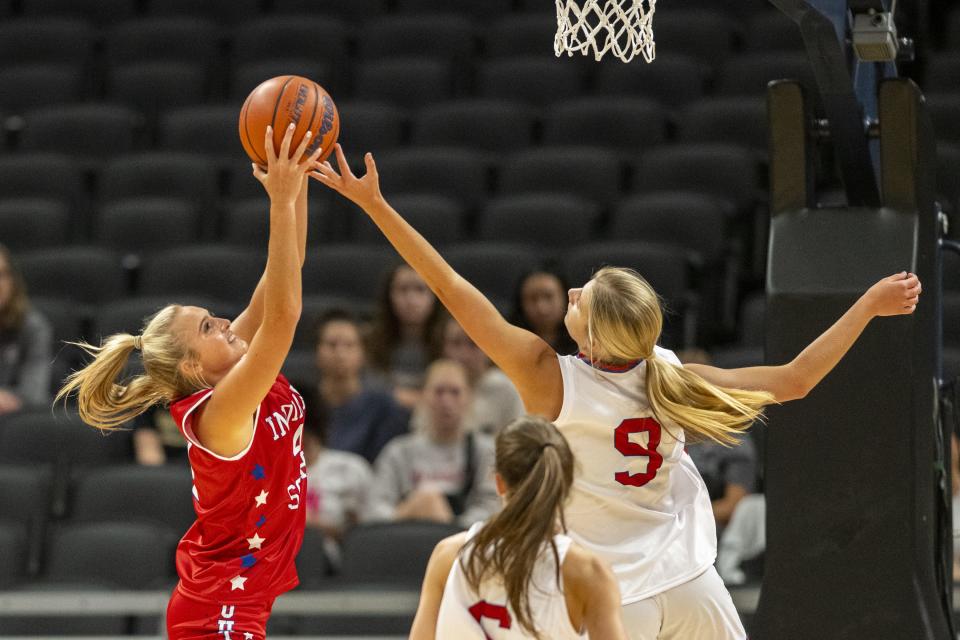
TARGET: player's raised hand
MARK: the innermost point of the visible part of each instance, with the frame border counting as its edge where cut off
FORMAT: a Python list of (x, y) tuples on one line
[(362, 191), (895, 295), (283, 177)]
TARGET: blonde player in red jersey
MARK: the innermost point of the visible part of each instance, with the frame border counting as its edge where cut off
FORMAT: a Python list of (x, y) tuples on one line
[(627, 407), (519, 575), (242, 419)]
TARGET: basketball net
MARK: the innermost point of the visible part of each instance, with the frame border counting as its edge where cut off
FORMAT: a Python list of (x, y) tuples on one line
[(621, 27)]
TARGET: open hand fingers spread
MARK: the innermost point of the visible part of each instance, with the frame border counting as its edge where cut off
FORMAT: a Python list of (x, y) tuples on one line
[(268, 146), (302, 147), (342, 162), (285, 145)]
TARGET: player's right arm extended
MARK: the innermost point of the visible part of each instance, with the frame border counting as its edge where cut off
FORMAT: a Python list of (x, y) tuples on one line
[(529, 361), (227, 420), (895, 295)]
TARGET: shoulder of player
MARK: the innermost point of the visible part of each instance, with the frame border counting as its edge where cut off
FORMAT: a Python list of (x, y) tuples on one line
[(584, 571), (447, 550)]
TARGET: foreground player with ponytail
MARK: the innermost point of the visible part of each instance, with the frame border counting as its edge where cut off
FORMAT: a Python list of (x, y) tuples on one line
[(518, 575), (628, 407), (242, 419)]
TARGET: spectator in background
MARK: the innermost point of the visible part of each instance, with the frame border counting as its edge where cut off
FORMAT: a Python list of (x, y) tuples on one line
[(157, 440), (338, 485), (26, 344), (443, 473), (403, 337), (540, 305), (728, 472), (496, 402), (361, 418)]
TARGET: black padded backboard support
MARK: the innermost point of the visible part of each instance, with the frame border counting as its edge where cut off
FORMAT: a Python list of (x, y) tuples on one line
[(855, 472)]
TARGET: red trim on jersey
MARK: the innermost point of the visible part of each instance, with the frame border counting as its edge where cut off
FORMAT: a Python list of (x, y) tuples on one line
[(609, 367)]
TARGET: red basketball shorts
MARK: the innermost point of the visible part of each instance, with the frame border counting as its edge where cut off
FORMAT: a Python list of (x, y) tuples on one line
[(190, 619)]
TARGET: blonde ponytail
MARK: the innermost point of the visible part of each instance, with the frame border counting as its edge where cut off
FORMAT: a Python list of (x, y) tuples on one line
[(104, 400), (704, 410), (625, 322)]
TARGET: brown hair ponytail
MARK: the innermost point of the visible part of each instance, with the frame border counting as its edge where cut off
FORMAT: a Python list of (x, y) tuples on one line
[(536, 464), (104, 400)]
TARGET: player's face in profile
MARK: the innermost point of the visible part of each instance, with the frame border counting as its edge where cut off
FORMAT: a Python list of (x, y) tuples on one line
[(577, 313), (411, 299), (216, 346), (340, 350)]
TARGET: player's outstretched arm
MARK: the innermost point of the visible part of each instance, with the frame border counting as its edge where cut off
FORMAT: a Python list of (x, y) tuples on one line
[(529, 361), (428, 611), (895, 295), (246, 324), (594, 589), (227, 420)]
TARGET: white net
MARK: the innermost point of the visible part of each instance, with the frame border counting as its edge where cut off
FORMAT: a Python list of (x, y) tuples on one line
[(623, 28)]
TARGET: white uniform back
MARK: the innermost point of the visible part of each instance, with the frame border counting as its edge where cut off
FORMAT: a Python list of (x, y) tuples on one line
[(466, 614), (638, 501)]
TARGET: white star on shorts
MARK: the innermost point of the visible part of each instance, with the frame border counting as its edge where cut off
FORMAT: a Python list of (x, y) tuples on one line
[(256, 541), (262, 498), (247, 636), (237, 583)]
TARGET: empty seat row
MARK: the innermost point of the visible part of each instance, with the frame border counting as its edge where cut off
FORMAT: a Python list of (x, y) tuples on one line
[(732, 173)]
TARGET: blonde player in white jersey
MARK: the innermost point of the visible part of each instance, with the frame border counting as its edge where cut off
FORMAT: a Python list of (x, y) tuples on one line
[(627, 407), (518, 575)]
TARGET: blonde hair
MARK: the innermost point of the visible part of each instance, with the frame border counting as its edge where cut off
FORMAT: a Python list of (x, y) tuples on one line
[(105, 401), (625, 321), (536, 464)]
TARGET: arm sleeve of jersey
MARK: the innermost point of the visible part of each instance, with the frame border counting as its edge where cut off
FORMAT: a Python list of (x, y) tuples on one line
[(33, 386), (185, 423), (667, 355), (386, 490), (569, 390), (483, 500)]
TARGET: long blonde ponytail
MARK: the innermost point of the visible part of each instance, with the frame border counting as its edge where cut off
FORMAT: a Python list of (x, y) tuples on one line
[(104, 400), (624, 322)]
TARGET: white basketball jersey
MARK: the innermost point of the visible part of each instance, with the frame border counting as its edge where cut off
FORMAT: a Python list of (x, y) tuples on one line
[(487, 615), (638, 501)]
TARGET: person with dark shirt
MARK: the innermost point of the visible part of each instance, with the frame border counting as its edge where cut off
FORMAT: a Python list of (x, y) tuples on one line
[(360, 417)]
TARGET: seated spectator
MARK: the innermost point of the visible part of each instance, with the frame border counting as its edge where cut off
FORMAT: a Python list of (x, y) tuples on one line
[(540, 304), (496, 402), (743, 542), (338, 486), (728, 472), (361, 418), (157, 440), (443, 473), (403, 337), (26, 344)]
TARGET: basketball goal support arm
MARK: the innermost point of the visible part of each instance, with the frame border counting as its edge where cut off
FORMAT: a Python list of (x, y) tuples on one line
[(844, 112)]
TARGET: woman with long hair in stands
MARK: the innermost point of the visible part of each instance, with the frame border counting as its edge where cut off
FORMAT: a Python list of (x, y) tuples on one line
[(519, 575), (628, 407), (243, 420)]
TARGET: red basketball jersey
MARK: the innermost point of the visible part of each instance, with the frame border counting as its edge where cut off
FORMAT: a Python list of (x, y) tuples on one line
[(251, 508)]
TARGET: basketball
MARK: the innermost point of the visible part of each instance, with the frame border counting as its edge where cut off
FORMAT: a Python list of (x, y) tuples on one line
[(284, 99)]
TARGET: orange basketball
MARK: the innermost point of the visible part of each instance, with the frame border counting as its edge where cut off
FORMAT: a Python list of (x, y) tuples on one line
[(280, 101)]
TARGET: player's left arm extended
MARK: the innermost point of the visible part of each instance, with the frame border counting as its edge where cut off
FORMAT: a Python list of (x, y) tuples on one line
[(892, 296), (428, 610), (246, 324)]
